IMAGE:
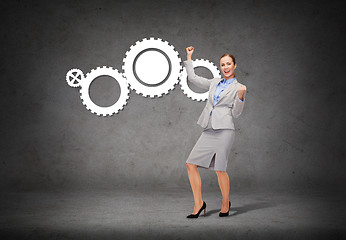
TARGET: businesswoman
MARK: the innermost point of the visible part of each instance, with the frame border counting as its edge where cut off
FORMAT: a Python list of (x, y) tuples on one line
[(225, 101)]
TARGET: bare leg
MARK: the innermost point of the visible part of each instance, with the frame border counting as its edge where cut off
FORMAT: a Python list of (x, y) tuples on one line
[(223, 179), (195, 182)]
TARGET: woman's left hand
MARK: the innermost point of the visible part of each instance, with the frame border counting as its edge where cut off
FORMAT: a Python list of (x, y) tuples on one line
[(241, 92)]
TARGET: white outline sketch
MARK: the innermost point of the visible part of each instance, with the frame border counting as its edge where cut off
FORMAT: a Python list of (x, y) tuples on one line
[(75, 77)]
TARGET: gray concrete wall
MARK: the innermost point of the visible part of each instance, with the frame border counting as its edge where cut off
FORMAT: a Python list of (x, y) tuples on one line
[(290, 56)]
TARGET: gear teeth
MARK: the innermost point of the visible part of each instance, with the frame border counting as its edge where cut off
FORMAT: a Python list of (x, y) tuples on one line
[(126, 82), (75, 73), (104, 71), (142, 45), (183, 79)]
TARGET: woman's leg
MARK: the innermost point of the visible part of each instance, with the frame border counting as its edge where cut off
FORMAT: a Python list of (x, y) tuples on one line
[(223, 179), (195, 182)]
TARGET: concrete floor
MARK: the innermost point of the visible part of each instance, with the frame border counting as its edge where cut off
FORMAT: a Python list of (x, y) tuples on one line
[(144, 214)]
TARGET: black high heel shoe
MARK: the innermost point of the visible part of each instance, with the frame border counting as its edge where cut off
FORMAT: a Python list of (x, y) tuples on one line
[(204, 206), (221, 214)]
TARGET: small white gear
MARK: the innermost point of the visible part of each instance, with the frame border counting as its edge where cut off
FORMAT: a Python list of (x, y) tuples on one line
[(183, 79), (74, 77), (158, 70), (104, 71)]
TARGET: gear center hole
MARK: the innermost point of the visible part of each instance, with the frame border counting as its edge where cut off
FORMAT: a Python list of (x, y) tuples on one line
[(152, 67), (104, 91)]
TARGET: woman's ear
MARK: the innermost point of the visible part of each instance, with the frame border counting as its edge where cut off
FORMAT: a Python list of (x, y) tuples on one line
[(235, 66)]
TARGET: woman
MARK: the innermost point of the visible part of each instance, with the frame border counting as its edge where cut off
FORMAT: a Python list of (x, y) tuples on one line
[(225, 101)]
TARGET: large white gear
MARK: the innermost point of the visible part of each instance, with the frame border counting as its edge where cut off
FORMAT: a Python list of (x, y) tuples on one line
[(155, 77), (74, 77), (183, 79), (104, 71)]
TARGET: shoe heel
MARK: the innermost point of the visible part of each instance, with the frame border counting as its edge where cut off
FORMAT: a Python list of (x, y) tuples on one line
[(204, 206), (205, 209)]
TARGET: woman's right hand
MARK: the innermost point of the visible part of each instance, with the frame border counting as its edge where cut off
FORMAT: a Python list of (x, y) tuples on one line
[(189, 51)]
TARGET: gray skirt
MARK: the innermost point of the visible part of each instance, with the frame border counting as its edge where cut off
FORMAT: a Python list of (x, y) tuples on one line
[(212, 149)]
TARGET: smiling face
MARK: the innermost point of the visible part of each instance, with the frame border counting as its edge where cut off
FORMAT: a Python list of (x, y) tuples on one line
[(227, 67)]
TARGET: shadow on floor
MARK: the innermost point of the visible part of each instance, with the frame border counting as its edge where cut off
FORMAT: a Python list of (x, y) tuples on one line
[(243, 209)]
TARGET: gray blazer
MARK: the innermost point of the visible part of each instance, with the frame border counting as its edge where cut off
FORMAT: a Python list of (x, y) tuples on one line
[(228, 106)]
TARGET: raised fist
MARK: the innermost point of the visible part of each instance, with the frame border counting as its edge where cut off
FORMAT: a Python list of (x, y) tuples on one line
[(241, 91), (189, 51)]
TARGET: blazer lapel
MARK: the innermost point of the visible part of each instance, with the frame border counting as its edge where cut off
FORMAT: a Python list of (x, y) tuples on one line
[(227, 90), (212, 90)]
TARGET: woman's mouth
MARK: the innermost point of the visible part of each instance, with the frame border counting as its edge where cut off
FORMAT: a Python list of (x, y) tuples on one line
[(226, 71)]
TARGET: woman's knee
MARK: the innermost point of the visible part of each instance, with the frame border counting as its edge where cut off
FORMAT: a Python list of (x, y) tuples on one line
[(220, 172), (190, 166)]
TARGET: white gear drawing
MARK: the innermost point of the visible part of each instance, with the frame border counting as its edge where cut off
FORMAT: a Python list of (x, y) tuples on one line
[(159, 67), (104, 71), (74, 77), (183, 79)]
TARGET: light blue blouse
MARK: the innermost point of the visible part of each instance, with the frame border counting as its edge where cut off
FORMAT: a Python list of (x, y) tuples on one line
[(223, 84)]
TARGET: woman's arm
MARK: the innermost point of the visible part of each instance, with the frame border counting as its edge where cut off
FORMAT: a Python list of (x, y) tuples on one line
[(241, 92), (189, 51), (199, 81), (239, 102)]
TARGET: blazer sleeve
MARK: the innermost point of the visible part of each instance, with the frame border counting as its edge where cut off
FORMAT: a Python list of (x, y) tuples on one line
[(199, 81), (238, 106)]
